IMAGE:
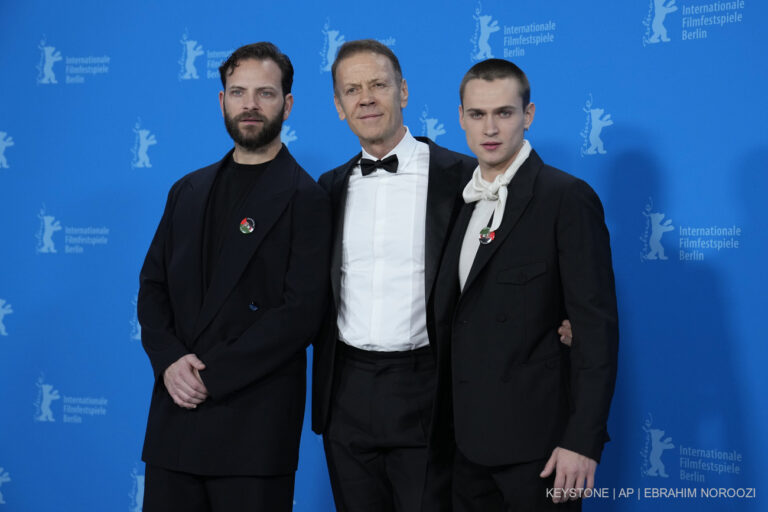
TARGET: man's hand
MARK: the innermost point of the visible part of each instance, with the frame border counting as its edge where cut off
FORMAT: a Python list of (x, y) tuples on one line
[(183, 382), (573, 471), (565, 332)]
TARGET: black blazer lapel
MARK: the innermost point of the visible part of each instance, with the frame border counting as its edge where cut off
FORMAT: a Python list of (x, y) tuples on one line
[(189, 226), (264, 204), (520, 192), (339, 202), (442, 198)]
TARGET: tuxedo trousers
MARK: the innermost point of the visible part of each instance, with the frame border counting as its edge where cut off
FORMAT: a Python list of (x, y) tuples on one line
[(376, 441), (170, 491), (510, 488)]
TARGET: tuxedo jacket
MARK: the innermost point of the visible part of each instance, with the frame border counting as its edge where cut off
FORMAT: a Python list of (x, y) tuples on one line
[(516, 391), (251, 327), (448, 171)]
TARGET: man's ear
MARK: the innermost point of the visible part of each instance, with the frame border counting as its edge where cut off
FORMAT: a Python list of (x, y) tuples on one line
[(288, 106), (339, 109), (530, 111)]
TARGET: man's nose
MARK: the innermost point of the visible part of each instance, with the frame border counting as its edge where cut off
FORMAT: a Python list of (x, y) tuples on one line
[(251, 102), (489, 126), (367, 97)]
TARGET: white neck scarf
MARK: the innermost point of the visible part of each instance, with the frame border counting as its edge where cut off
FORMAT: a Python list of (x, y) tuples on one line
[(478, 188)]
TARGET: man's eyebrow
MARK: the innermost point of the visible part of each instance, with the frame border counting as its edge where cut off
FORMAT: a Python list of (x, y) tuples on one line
[(496, 109)]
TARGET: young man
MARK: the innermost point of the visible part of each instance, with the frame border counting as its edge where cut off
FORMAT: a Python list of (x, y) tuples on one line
[(233, 290), (524, 413)]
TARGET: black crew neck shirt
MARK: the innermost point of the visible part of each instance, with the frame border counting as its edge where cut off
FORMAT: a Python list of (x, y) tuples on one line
[(230, 189)]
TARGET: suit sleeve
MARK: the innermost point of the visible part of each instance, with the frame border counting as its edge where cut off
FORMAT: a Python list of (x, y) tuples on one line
[(279, 333), (590, 303), (155, 314)]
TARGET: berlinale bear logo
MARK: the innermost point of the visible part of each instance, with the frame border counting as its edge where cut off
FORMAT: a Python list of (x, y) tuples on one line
[(333, 40), (48, 57), (655, 31), (6, 141), (45, 397), (190, 51), (485, 25)]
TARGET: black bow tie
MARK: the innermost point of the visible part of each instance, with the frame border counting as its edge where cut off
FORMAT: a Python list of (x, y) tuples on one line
[(389, 164)]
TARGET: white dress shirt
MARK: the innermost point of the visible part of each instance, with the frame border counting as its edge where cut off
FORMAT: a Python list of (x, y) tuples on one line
[(382, 303)]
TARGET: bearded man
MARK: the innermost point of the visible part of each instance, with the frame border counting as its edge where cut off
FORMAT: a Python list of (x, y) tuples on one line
[(232, 291)]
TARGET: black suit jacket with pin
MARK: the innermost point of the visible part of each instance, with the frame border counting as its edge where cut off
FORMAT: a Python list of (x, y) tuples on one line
[(448, 171), (250, 328), (516, 391)]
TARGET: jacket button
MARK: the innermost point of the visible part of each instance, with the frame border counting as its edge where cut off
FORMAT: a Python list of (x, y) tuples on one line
[(253, 307), (501, 317)]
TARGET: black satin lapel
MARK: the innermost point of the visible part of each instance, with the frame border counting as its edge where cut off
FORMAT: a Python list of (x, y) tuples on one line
[(339, 201), (264, 204), (442, 197)]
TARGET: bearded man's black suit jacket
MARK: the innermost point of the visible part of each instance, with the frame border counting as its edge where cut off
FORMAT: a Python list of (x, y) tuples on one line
[(263, 306)]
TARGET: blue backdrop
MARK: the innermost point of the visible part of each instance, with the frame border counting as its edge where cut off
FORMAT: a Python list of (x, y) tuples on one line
[(657, 104)]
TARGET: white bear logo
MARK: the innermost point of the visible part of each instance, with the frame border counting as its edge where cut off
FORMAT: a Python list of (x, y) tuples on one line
[(432, 128), (5, 142), (659, 444), (597, 122), (287, 135), (4, 478), (48, 226), (656, 31), (191, 51), (137, 494), (657, 230), (144, 139), (48, 57), (333, 40), (46, 396), (484, 26), (135, 325), (5, 309)]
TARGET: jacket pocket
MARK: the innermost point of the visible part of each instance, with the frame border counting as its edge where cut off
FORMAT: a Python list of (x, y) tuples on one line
[(522, 273)]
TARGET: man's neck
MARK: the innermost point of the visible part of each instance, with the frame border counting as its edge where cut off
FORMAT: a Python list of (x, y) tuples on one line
[(263, 154), (380, 149)]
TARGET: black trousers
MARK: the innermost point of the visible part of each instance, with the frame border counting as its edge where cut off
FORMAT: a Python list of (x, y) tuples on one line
[(171, 491), (376, 441), (512, 488)]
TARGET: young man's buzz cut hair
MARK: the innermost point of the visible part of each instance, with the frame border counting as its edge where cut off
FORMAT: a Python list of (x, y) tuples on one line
[(494, 69)]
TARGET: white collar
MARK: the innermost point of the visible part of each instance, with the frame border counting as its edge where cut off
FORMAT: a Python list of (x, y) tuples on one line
[(478, 188), (404, 149)]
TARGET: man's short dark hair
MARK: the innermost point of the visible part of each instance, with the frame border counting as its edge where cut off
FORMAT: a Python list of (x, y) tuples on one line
[(494, 69), (351, 48), (259, 51)]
